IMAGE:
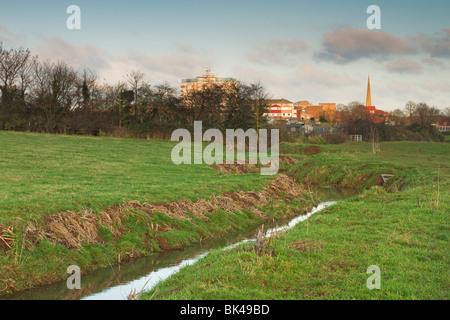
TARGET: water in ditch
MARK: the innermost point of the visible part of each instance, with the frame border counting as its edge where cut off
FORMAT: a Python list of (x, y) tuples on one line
[(117, 281)]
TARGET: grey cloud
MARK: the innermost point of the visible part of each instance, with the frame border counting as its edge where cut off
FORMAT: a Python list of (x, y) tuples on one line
[(174, 64), (324, 78), (437, 46), (78, 56), (434, 62), (347, 45), (404, 65), (189, 50), (278, 51), (10, 38)]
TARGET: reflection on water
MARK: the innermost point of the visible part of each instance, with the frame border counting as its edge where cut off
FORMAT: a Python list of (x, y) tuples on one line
[(132, 275), (116, 282)]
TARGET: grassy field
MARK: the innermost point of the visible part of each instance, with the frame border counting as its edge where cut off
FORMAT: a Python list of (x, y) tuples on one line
[(45, 174), (403, 230), (50, 181), (91, 202)]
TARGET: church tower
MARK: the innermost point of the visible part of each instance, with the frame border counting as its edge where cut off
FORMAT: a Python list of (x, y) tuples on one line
[(369, 97)]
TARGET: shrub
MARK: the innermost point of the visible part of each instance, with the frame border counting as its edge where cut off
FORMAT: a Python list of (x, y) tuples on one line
[(336, 137)]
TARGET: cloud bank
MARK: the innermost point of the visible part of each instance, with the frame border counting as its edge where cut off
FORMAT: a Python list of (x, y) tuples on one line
[(348, 45)]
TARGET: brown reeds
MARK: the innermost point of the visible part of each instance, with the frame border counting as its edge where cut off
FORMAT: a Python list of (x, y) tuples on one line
[(6, 238), (73, 229), (265, 244), (236, 169), (135, 295), (250, 168)]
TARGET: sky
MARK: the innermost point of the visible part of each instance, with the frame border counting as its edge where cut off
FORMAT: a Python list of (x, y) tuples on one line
[(320, 51)]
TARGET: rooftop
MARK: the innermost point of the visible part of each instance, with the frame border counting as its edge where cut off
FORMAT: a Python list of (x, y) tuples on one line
[(213, 79), (279, 101)]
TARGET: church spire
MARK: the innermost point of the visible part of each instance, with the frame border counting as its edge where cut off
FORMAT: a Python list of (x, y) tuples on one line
[(369, 97)]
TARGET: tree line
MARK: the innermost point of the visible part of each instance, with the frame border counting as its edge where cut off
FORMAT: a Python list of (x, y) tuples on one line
[(415, 122), (53, 97)]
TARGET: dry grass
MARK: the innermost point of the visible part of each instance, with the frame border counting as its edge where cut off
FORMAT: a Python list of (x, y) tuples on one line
[(288, 160), (135, 295), (250, 168), (307, 245), (265, 244), (236, 168), (73, 229), (6, 238)]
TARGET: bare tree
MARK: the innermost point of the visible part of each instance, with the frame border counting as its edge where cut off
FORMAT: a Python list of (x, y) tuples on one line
[(136, 81), (120, 100), (426, 114), (410, 108), (13, 68), (246, 106), (15, 78), (259, 96), (54, 91), (353, 111), (89, 89), (397, 117), (164, 103), (206, 104), (374, 139), (446, 112)]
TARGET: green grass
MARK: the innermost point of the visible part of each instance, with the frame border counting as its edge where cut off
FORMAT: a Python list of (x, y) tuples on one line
[(354, 165), (46, 174), (43, 174), (408, 243), (405, 232)]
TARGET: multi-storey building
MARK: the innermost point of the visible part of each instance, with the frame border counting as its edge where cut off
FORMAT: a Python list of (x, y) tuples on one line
[(207, 79)]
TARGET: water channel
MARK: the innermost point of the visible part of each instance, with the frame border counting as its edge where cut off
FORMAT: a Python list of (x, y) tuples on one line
[(117, 281)]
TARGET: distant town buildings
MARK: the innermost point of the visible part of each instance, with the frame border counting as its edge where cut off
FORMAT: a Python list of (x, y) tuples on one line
[(207, 79), (283, 109)]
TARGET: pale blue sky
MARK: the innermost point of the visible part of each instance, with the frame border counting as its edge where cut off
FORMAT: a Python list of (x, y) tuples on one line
[(300, 50)]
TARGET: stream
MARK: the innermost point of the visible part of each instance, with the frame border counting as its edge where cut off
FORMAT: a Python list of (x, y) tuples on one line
[(117, 281)]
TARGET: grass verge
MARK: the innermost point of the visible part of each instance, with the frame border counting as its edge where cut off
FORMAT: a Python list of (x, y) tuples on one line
[(403, 228)]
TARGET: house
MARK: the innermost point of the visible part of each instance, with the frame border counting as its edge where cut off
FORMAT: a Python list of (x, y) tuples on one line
[(443, 126), (280, 109)]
